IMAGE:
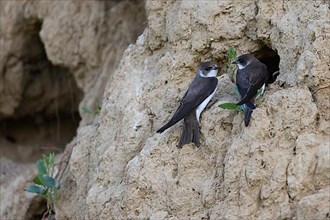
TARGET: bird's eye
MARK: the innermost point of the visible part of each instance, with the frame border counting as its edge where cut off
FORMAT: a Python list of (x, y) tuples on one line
[(240, 60), (208, 68)]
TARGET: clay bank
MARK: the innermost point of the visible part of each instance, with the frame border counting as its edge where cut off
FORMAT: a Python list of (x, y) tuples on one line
[(93, 81)]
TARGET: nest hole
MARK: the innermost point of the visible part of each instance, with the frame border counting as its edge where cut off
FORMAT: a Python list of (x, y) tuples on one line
[(37, 208), (271, 59)]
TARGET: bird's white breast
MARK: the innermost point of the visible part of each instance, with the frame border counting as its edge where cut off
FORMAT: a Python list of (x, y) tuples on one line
[(212, 73), (202, 106), (240, 66)]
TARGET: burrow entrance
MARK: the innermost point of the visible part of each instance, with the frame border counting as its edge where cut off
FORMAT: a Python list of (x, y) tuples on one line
[(272, 60), (47, 116)]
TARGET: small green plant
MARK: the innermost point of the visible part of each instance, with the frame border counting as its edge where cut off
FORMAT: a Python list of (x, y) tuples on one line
[(44, 184), (231, 56), (261, 91), (97, 110), (233, 106), (228, 105), (85, 109)]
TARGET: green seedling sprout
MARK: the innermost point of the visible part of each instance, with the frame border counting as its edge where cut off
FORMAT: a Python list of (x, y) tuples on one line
[(97, 110), (233, 106), (231, 56), (44, 184)]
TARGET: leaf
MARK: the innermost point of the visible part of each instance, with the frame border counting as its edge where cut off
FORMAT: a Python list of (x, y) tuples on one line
[(41, 167), (98, 109), (86, 110), (57, 185), (235, 90), (50, 159), (241, 108), (49, 181), (261, 91), (35, 189), (38, 180), (228, 105), (231, 53)]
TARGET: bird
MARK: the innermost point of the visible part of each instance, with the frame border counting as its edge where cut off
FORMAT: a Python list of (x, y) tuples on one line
[(250, 76), (199, 93)]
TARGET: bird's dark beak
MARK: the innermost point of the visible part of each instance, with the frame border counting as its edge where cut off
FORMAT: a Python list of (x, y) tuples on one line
[(215, 68), (234, 62)]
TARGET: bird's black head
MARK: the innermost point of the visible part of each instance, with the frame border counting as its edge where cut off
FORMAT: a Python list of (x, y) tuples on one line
[(244, 60), (208, 69)]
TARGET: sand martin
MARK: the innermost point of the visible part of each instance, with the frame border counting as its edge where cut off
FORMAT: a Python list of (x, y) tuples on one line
[(198, 95), (251, 76)]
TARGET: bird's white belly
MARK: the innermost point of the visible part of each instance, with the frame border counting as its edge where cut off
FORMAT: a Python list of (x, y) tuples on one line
[(202, 106)]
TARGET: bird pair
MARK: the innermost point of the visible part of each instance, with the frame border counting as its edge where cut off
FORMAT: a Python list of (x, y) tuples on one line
[(251, 75)]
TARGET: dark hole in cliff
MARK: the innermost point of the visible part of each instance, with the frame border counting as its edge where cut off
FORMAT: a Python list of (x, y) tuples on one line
[(37, 208), (47, 116), (272, 60)]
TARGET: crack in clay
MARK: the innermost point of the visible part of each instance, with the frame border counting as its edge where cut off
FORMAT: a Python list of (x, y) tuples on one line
[(287, 184)]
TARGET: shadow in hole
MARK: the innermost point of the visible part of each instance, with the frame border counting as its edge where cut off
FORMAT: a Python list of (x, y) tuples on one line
[(272, 60)]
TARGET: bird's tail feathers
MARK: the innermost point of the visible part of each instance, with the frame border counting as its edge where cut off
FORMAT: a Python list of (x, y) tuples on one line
[(163, 128), (175, 119), (247, 115), (250, 94), (250, 105), (172, 122), (190, 131)]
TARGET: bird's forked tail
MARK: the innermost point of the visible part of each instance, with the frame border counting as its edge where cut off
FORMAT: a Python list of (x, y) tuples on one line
[(190, 132)]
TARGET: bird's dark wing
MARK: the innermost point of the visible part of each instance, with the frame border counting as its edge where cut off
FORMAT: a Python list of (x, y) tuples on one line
[(247, 116), (242, 82), (256, 76), (197, 92), (190, 131), (251, 92)]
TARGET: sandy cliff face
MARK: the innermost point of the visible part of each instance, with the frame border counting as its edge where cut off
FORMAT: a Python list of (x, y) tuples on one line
[(277, 168), (54, 56)]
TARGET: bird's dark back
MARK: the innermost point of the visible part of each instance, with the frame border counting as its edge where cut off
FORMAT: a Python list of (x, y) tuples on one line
[(259, 72)]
